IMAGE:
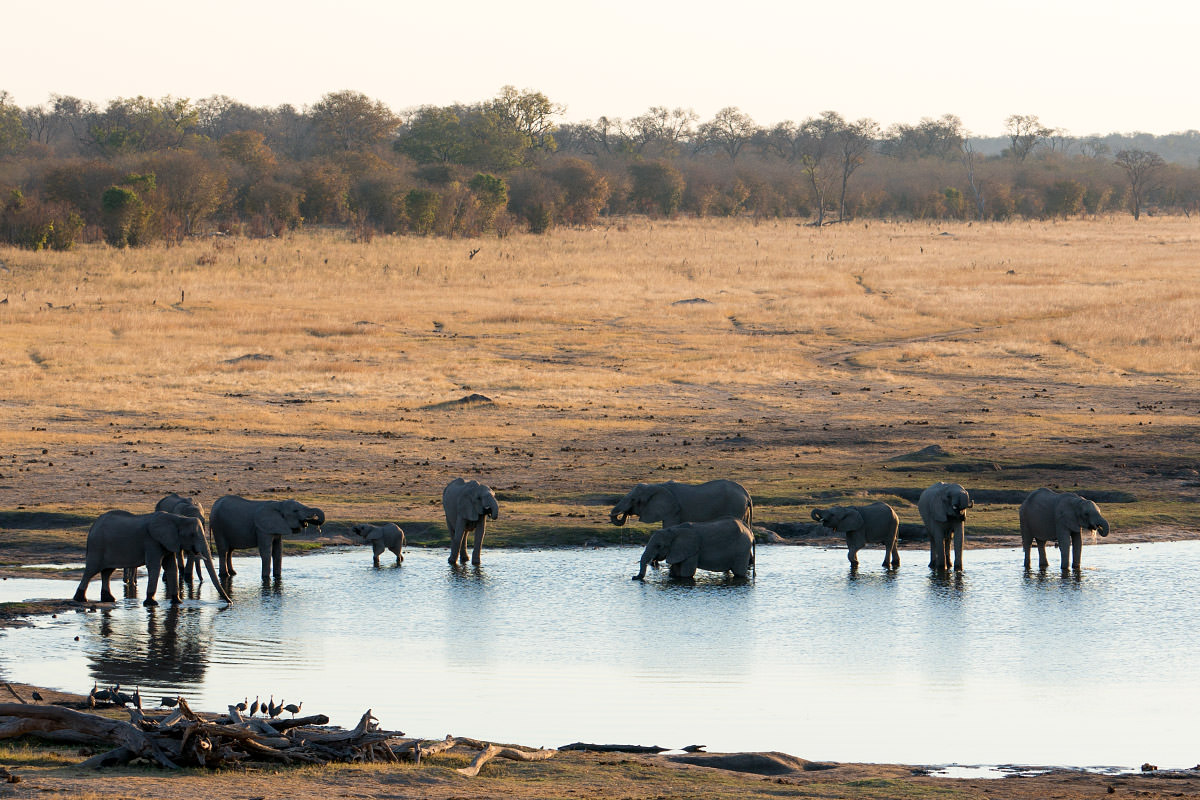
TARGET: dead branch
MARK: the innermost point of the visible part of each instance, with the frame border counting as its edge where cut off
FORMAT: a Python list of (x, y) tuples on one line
[(13, 692), (495, 751)]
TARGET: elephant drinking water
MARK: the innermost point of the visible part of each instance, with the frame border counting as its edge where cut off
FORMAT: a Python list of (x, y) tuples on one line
[(876, 523), (239, 523), (121, 540), (1047, 515), (723, 545), (672, 503)]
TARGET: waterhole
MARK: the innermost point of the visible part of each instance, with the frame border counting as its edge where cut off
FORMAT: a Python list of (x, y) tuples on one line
[(549, 647)]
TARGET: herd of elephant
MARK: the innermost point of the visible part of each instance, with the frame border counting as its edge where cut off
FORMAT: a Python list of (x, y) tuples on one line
[(704, 526)]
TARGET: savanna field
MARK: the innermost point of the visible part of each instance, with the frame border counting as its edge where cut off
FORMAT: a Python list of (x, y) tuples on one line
[(811, 365), (797, 361)]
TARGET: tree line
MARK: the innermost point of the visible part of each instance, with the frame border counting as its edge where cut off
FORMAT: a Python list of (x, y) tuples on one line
[(139, 170)]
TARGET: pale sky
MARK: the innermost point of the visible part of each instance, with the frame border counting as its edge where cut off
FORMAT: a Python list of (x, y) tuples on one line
[(1090, 67)]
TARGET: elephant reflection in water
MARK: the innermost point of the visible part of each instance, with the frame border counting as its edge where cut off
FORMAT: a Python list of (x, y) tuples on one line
[(169, 646)]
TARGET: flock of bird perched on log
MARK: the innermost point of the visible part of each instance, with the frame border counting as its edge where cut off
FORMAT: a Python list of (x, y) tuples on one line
[(181, 737)]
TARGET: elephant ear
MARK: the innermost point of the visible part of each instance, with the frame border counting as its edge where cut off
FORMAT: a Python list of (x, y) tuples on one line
[(659, 504), (941, 509), (164, 530), (479, 502), (269, 522), (684, 545), (850, 521), (1070, 512)]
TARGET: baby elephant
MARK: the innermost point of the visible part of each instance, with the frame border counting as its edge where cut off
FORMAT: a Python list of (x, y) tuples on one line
[(388, 536), (876, 523)]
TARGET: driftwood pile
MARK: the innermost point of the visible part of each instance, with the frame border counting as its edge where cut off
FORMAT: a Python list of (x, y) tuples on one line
[(182, 738)]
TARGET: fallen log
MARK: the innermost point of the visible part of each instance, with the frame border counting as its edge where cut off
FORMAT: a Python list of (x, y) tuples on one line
[(614, 748), (54, 718), (496, 751)]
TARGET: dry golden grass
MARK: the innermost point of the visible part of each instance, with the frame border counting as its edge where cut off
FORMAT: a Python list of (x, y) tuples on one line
[(312, 366)]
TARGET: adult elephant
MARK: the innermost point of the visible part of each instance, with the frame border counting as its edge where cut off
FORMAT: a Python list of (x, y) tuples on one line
[(942, 508), (184, 507), (120, 540), (187, 563), (467, 504), (723, 545), (1047, 515), (876, 523), (388, 536), (238, 523), (673, 503)]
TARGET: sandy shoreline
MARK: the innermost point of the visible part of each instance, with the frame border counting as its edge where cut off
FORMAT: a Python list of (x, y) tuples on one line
[(41, 768)]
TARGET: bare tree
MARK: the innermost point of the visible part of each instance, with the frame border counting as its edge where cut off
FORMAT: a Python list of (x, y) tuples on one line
[(969, 159), (660, 129), (1025, 133), (1140, 167), (854, 141), (729, 131), (817, 148)]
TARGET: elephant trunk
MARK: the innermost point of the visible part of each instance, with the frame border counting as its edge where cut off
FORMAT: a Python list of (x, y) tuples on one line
[(216, 582), (617, 519), (642, 569), (1102, 529), (319, 517)]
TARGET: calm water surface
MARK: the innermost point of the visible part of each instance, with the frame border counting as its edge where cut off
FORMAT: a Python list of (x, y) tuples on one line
[(550, 647)]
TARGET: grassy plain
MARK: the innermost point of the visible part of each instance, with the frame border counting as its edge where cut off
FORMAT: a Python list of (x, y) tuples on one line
[(798, 361)]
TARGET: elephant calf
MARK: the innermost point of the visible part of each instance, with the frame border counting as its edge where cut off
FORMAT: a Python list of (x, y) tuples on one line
[(723, 545), (1047, 515), (876, 523), (388, 536)]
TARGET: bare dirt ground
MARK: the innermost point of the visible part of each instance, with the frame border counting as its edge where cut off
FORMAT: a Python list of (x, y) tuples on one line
[(813, 367)]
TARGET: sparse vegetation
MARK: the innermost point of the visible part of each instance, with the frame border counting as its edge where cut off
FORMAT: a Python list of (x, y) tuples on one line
[(310, 366)]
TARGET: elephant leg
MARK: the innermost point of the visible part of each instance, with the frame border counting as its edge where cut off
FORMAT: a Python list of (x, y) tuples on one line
[(458, 532), (1043, 562), (106, 595), (1076, 549), (171, 578), (685, 569), (1064, 550), (152, 568), (264, 555), (81, 592), (958, 548), (462, 544), (129, 576), (935, 550), (277, 557), (480, 527), (224, 567)]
